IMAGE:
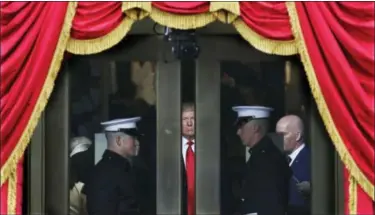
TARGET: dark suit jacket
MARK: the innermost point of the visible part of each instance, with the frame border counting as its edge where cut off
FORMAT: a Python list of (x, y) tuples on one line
[(266, 180), (112, 189), (302, 171)]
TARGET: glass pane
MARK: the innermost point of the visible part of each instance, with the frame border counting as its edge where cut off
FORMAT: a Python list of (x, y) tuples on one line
[(103, 90), (262, 83), (110, 89)]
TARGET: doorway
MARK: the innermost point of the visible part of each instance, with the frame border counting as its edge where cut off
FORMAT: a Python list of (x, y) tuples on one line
[(201, 81)]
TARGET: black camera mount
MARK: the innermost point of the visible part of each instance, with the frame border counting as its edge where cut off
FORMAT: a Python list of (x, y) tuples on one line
[(184, 44)]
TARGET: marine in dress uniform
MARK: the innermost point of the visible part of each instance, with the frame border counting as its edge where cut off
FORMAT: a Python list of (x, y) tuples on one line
[(298, 155), (112, 188), (266, 174)]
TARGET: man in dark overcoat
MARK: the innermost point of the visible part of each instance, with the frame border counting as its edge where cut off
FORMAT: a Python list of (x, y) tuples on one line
[(267, 173)]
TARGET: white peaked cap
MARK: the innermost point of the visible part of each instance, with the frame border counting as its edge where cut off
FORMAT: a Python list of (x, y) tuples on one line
[(118, 124), (253, 111)]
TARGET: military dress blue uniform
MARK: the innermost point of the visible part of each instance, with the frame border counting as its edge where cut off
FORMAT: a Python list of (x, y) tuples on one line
[(267, 173), (266, 178), (112, 188), (299, 203)]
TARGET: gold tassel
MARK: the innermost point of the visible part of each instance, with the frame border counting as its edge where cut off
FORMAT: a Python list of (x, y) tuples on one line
[(343, 152), (136, 10), (12, 193), (263, 44), (10, 166), (225, 12), (352, 195), (182, 22), (93, 46)]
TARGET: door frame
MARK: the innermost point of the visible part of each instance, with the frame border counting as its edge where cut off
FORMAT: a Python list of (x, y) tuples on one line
[(228, 49)]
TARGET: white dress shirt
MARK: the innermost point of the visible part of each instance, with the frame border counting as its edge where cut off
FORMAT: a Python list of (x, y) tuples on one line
[(295, 153), (185, 146)]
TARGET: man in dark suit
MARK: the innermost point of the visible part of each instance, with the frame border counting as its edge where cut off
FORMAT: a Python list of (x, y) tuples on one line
[(291, 127), (188, 165), (112, 189), (188, 158), (266, 175)]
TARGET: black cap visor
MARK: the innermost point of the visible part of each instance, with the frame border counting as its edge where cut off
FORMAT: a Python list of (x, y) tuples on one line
[(132, 132)]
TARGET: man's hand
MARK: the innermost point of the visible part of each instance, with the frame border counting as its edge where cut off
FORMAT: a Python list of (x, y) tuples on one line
[(304, 187)]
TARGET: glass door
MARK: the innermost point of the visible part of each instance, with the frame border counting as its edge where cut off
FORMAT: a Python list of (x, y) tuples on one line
[(228, 72)]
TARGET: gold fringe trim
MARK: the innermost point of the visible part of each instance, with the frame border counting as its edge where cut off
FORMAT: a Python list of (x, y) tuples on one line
[(225, 12), (269, 46), (353, 201), (182, 22), (10, 166), (136, 10), (12, 193), (93, 46), (345, 156)]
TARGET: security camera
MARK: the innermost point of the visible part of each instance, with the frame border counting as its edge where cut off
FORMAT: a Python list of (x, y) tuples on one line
[(184, 44)]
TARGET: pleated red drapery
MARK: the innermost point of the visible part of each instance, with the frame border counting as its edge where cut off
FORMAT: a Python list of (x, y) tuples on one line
[(334, 40), (182, 8), (327, 32), (31, 33), (95, 19), (258, 16), (337, 39)]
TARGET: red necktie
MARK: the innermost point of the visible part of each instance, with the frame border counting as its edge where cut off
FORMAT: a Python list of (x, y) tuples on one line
[(190, 173)]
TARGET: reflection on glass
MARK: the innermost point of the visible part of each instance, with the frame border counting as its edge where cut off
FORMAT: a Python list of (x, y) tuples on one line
[(261, 84), (79, 173), (106, 90), (112, 90)]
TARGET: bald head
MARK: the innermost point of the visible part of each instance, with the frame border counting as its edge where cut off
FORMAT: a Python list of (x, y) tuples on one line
[(291, 127), (291, 123)]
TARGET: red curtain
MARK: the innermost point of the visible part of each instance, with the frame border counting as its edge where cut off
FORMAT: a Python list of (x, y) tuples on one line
[(29, 35), (96, 19), (335, 41), (269, 19), (339, 40), (183, 8)]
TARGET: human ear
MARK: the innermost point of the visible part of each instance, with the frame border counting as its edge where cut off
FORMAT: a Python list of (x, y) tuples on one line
[(118, 141), (255, 127), (298, 137)]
